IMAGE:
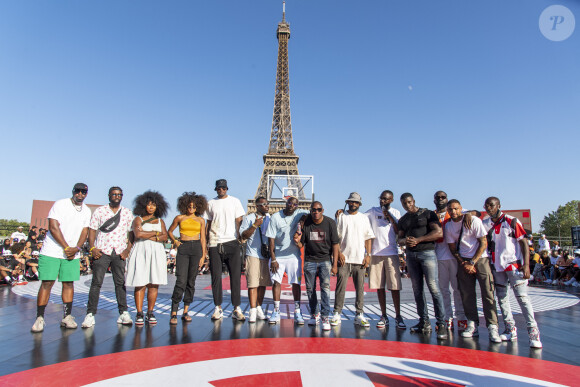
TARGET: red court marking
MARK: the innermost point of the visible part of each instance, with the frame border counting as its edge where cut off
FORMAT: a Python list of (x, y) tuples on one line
[(389, 380), (94, 369), (274, 379), (288, 287)]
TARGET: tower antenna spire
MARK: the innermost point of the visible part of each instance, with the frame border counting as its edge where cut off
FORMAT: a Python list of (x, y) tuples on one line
[(283, 11)]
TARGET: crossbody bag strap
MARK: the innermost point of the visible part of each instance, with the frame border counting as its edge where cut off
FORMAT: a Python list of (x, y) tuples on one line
[(458, 243)]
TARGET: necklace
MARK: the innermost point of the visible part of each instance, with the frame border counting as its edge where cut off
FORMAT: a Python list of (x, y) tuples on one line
[(78, 208)]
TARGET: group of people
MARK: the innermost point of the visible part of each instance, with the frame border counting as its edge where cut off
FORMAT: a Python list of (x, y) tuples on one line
[(556, 267), (449, 249), (19, 256)]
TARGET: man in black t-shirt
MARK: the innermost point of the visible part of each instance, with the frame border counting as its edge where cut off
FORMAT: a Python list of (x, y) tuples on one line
[(419, 228), (319, 238)]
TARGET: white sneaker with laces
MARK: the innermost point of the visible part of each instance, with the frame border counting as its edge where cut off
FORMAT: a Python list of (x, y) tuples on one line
[(298, 319), (125, 319), (510, 333), (325, 324), (315, 319), (38, 325), (471, 330), (218, 313), (89, 321), (335, 320), (68, 322), (275, 317), (261, 315), (253, 315), (361, 320), (534, 335), (494, 333), (237, 314)]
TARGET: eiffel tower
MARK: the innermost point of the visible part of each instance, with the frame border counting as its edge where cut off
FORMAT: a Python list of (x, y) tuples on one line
[(281, 159)]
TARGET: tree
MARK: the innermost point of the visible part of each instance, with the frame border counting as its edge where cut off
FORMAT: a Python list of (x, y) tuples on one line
[(561, 220), (8, 226)]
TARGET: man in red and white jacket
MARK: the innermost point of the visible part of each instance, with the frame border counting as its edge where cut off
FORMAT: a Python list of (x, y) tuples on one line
[(510, 260)]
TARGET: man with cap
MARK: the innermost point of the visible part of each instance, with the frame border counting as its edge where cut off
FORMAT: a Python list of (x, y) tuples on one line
[(109, 247), (285, 256), (543, 244), (224, 216), (18, 236), (355, 235), (68, 227), (419, 228)]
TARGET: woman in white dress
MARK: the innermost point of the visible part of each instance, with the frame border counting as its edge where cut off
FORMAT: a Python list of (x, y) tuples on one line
[(146, 265)]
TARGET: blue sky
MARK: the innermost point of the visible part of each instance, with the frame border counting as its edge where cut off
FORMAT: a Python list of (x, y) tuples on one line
[(416, 96)]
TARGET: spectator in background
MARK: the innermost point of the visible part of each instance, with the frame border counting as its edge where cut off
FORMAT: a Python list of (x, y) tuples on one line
[(41, 235), (543, 244), (32, 232), (574, 270), (5, 245), (32, 266), (18, 236)]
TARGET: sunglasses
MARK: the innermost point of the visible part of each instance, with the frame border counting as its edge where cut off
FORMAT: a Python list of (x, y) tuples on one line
[(83, 191), (292, 204), (316, 210), (262, 205), (383, 198), (119, 195), (440, 197)]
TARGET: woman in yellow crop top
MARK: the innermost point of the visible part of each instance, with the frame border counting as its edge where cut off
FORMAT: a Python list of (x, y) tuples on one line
[(191, 250)]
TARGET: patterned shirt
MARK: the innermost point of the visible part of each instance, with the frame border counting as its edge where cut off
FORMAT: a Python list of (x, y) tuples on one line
[(116, 239)]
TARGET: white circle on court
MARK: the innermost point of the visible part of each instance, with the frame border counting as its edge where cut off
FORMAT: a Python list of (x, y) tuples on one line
[(557, 23)]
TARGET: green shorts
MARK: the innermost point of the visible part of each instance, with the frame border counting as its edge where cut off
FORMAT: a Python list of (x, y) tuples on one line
[(49, 269)]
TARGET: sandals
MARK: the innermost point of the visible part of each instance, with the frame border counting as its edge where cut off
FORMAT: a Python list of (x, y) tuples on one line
[(173, 320), (186, 318)]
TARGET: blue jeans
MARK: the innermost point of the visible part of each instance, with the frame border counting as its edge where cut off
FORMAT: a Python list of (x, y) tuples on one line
[(322, 271), (423, 264)]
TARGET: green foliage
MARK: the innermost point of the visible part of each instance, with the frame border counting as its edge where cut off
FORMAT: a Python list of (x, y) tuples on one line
[(8, 226), (565, 216)]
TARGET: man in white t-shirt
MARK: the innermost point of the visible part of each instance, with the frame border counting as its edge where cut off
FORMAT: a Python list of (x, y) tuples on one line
[(19, 235), (224, 217), (285, 256), (355, 234), (447, 267), (543, 244), (468, 246), (68, 225), (510, 258), (385, 270)]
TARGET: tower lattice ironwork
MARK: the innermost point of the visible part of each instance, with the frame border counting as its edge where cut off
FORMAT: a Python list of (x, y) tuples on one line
[(280, 159)]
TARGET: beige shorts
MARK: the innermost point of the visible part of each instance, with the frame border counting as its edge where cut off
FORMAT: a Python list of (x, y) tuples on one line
[(257, 272), (384, 272)]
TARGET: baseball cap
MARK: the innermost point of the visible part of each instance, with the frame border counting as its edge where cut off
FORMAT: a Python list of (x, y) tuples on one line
[(80, 186)]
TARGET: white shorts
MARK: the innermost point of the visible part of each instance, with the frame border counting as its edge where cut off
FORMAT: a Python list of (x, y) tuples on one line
[(292, 267)]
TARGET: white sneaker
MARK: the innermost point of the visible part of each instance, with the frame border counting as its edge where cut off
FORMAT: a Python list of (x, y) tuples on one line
[(68, 322), (570, 281), (361, 320), (261, 315), (298, 319), (38, 325), (335, 320), (124, 318), (253, 315), (275, 317), (218, 313), (534, 335), (510, 333), (89, 321), (548, 281), (237, 314), (325, 324), (315, 319), (494, 333), (471, 330)]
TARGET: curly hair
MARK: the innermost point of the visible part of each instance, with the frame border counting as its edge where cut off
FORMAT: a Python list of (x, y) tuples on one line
[(141, 201), (186, 198)]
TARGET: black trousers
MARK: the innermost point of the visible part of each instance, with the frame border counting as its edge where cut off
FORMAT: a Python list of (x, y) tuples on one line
[(186, 268), (230, 254), (100, 267)]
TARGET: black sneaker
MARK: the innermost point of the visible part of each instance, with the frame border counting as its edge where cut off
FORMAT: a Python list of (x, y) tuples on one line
[(442, 331), (421, 327), (139, 319), (150, 318)]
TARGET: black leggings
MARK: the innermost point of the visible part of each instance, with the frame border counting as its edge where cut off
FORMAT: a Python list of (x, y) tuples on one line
[(186, 268)]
